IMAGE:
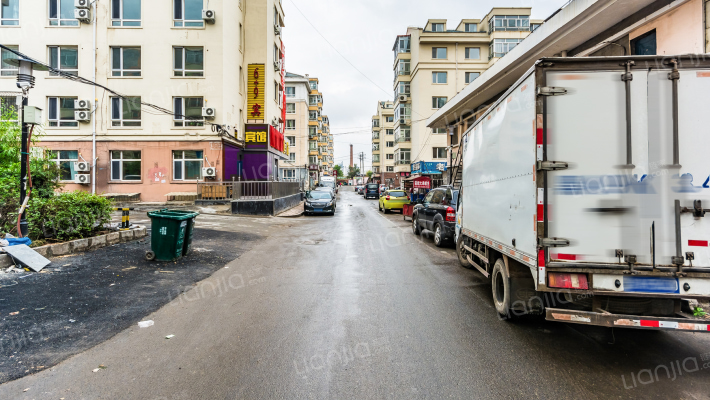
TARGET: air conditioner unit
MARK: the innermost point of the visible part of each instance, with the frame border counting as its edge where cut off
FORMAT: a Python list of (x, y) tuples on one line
[(277, 30), (209, 16), (82, 179), (82, 166), (82, 116), (277, 66), (209, 112), (82, 105), (403, 98), (275, 122), (82, 14), (82, 3), (209, 172), (405, 121)]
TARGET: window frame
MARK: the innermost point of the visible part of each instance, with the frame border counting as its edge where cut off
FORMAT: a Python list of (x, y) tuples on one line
[(470, 73), (121, 161), (436, 151), (435, 53), (187, 123), (8, 70), (186, 23), (3, 20), (290, 95), (122, 122), (467, 53), (435, 25), (59, 161), (182, 70), (59, 21), (73, 71), (291, 127), (467, 25), (389, 144), (121, 70), (435, 102), (71, 123), (122, 22), (436, 76), (183, 162), (290, 108)]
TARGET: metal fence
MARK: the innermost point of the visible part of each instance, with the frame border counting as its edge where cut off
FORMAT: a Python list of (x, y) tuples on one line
[(246, 190)]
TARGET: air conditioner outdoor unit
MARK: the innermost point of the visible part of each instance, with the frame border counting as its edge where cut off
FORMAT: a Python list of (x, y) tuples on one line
[(82, 105), (275, 122), (209, 112), (82, 116), (82, 166), (208, 16), (209, 172), (82, 179), (403, 98), (82, 3), (277, 30), (277, 66), (82, 14)]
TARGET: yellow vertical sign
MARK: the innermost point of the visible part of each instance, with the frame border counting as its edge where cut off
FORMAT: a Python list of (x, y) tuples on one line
[(255, 92)]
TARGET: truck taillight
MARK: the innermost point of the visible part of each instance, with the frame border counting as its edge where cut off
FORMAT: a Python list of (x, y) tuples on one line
[(567, 281), (450, 214)]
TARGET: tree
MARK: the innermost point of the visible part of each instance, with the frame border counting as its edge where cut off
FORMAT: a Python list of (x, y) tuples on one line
[(353, 171), (369, 174), (338, 170)]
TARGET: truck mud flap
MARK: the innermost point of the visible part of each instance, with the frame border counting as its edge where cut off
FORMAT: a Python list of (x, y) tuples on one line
[(627, 321)]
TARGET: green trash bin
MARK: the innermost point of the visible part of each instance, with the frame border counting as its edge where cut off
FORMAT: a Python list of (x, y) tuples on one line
[(168, 235), (187, 245)]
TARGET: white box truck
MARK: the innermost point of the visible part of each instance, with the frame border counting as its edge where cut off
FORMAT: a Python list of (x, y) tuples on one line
[(585, 192)]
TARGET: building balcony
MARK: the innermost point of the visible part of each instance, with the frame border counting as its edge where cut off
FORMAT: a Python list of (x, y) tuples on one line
[(403, 139), (313, 152), (375, 151)]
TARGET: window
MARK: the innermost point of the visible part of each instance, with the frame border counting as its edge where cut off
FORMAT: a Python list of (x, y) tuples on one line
[(290, 91), (9, 108), (375, 147), (439, 152), (126, 61), (187, 14), (470, 76), (438, 102), (402, 68), (501, 47), (277, 54), (289, 173), (292, 157), (390, 131), (390, 168), (277, 91), (313, 159), (10, 12), (402, 156), (314, 85), (312, 131), (61, 13), (438, 131), (390, 156), (61, 112), (188, 111), (312, 145), (390, 144), (290, 124), (403, 45), (291, 139), (389, 118), (438, 53), (65, 160), (290, 108), (375, 123), (188, 61), (126, 111), (125, 165), (471, 27), (645, 44), (187, 165), (65, 59), (403, 110), (401, 88), (437, 27), (313, 115), (509, 23), (375, 158), (403, 134), (533, 27), (5, 68), (125, 12), (438, 77), (473, 53), (313, 100)]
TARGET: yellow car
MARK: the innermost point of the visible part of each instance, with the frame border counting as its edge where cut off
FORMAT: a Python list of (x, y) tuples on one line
[(393, 200)]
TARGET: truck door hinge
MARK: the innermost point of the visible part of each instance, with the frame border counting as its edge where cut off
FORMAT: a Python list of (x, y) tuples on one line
[(551, 165), (551, 91), (554, 242)]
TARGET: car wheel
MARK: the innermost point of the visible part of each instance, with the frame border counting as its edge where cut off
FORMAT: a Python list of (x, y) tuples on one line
[(438, 235), (460, 252), (415, 225)]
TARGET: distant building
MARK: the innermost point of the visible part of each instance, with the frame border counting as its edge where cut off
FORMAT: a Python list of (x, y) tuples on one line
[(383, 145)]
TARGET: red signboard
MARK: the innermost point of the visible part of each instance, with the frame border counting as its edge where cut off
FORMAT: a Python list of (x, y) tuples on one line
[(276, 139), (283, 88), (423, 182)]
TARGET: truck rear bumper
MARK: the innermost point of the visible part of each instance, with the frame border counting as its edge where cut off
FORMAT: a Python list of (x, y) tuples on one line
[(627, 321)]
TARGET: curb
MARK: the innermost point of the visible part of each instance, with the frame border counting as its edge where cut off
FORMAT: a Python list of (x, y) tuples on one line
[(82, 245)]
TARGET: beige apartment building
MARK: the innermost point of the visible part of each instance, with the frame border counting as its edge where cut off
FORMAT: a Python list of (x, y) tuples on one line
[(431, 65), (383, 145), (201, 61), (307, 131)]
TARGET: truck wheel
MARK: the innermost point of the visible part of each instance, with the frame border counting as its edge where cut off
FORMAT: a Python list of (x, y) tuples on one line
[(438, 235), (501, 289), (460, 252), (415, 225)]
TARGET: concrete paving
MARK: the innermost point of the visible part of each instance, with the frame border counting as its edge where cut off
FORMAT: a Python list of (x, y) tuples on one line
[(356, 306)]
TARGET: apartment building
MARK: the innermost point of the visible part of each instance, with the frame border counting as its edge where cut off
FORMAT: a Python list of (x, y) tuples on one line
[(297, 129), (431, 65), (207, 63), (383, 145)]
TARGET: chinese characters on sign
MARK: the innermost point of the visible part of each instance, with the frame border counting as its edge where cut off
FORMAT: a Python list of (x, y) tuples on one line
[(255, 137), (422, 183), (255, 92)]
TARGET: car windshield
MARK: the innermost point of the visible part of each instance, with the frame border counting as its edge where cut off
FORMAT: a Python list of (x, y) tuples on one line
[(319, 195), (397, 194), (372, 186)]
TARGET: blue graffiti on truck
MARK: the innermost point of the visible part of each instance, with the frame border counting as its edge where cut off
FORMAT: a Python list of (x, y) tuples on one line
[(580, 185)]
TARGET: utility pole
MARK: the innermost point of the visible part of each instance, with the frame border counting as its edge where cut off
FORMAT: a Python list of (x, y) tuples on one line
[(351, 155)]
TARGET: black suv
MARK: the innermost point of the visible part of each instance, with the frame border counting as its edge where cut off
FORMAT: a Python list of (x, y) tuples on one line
[(437, 213), (372, 190)]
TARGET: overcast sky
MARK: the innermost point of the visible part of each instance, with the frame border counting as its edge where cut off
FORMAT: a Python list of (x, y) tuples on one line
[(364, 31)]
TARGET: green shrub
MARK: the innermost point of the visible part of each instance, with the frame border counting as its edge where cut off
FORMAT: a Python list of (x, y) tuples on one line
[(67, 216)]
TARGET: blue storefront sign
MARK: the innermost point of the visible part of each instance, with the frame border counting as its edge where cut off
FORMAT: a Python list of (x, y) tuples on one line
[(428, 168)]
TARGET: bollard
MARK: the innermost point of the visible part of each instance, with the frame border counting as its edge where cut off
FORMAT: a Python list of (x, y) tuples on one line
[(125, 218)]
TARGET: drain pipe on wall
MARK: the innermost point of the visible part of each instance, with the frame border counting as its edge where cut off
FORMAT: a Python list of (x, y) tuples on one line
[(96, 107)]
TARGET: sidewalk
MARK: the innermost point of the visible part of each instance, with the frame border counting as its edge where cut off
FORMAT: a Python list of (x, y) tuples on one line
[(296, 211)]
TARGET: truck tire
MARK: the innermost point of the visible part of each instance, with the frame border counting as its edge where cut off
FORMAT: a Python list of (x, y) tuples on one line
[(438, 235), (500, 282), (415, 225), (460, 252)]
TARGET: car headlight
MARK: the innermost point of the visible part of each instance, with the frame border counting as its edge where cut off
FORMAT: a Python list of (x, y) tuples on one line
[(330, 204)]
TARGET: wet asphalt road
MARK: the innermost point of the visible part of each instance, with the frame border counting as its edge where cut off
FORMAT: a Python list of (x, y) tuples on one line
[(356, 306)]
